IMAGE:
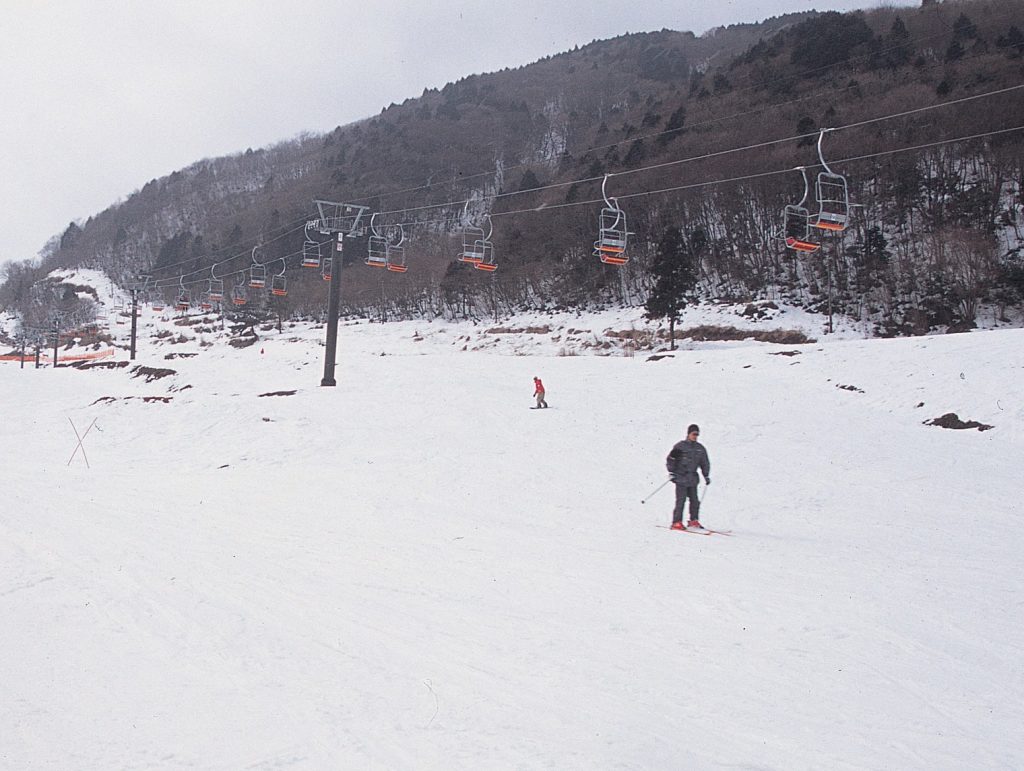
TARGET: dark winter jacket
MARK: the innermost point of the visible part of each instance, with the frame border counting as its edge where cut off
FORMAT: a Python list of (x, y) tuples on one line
[(684, 460)]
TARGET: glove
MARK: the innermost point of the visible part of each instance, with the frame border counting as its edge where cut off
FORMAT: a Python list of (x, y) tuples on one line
[(707, 480)]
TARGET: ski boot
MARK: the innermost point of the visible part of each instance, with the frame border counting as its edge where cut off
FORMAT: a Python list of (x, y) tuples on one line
[(695, 524), (677, 526)]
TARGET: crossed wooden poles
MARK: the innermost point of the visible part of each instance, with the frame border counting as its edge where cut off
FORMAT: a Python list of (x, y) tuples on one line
[(81, 438)]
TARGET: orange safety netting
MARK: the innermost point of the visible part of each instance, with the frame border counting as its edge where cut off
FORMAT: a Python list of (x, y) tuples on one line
[(60, 358)]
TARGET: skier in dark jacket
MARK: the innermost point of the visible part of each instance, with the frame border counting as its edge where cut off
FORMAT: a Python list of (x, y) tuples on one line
[(683, 462)]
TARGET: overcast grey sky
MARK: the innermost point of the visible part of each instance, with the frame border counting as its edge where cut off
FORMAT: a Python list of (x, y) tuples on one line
[(100, 96)]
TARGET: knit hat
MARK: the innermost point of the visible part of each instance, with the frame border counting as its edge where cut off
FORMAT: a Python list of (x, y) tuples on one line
[(694, 428)]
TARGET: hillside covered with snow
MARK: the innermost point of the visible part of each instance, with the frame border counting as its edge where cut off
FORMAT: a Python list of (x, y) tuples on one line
[(240, 569)]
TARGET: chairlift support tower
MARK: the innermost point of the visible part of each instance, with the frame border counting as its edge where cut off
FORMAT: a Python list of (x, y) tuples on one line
[(336, 220), (136, 288)]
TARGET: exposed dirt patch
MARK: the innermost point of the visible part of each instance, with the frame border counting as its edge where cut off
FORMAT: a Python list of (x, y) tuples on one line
[(706, 333), (147, 399), (99, 364), (242, 342), (152, 373), (519, 330), (952, 420)]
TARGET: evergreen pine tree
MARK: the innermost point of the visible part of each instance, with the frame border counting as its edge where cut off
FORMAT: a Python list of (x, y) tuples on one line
[(675, 277)]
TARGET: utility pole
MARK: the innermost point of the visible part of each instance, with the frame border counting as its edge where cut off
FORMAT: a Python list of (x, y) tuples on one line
[(337, 220)]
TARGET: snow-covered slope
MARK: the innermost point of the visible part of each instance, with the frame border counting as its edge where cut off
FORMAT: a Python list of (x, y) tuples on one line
[(413, 570)]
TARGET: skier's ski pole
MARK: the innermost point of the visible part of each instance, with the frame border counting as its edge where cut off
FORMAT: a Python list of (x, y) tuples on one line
[(644, 500)]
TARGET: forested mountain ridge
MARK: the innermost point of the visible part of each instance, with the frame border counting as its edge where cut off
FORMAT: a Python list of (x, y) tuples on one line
[(935, 234)]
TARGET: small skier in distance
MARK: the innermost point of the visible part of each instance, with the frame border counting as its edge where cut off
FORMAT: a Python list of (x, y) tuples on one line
[(683, 461), (538, 391)]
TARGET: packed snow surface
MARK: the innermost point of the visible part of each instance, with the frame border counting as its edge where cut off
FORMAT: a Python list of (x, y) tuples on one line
[(413, 570)]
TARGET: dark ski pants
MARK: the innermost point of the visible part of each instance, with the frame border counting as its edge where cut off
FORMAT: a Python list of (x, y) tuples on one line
[(682, 493)]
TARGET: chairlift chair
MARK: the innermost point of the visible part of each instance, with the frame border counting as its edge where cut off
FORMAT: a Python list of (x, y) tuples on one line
[(486, 252), (473, 245), (832, 194), (474, 240), (395, 253), (396, 259), (796, 222), (310, 253), (184, 299), (257, 273), (377, 246), (257, 276), (239, 295), (833, 201), (214, 287), (326, 266), (612, 235), (279, 285)]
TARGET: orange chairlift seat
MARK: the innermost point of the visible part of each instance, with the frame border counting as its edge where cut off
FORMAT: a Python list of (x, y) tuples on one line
[(310, 251), (474, 241), (325, 268), (483, 250), (832, 194), (155, 299), (376, 246), (487, 263), (257, 272), (184, 296), (612, 235), (395, 253), (239, 295), (278, 283), (214, 288), (796, 222)]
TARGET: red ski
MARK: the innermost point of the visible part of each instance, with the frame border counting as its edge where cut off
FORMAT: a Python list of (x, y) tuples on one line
[(702, 531)]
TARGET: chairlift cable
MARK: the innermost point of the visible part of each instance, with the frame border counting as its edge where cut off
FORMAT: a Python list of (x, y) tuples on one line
[(716, 154), (691, 186)]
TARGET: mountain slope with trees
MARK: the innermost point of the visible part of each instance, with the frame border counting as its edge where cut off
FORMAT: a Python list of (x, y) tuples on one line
[(934, 235)]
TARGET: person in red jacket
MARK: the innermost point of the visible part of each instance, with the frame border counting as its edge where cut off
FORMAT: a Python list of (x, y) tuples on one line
[(538, 391)]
